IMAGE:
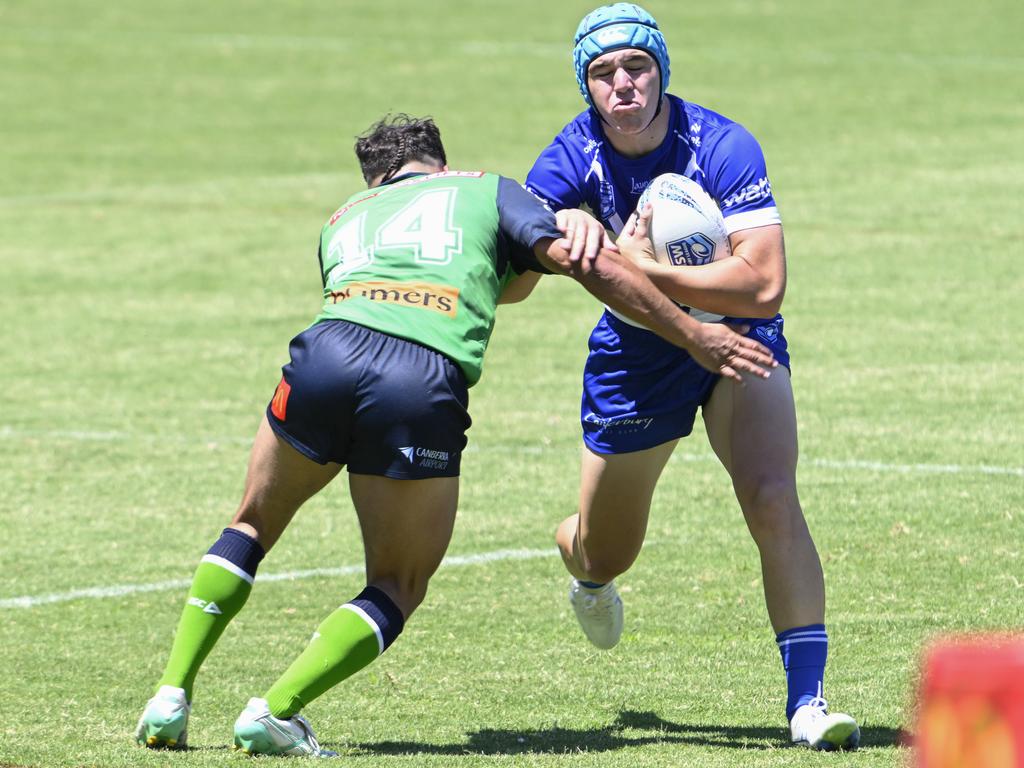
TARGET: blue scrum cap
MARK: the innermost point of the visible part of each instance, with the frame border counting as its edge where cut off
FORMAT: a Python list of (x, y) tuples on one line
[(611, 27)]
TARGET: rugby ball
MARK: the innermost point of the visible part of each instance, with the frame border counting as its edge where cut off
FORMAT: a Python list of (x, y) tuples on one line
[(686, 228)]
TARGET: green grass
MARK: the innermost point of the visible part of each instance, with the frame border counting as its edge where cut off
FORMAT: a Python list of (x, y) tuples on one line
[(166, 167)]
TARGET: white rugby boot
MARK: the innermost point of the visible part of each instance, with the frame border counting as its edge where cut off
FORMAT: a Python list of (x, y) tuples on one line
[(812, 725), (164, 721), (599, 612), (257, 732)]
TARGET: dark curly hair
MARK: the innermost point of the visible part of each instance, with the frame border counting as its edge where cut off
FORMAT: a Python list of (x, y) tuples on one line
[(396, 140)]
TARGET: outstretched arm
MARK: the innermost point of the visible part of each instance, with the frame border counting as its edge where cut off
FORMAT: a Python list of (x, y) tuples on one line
[(619, 283), (615, 280), (584, 237)]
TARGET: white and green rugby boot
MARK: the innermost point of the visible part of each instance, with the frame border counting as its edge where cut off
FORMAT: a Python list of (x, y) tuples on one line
[(257, 732), (813, 726), (164, 721)]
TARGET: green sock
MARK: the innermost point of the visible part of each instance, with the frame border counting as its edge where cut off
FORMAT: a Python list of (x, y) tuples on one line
[(347, 640), (217, 595)]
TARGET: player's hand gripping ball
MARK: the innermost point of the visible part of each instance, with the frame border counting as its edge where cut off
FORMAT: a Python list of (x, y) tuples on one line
[(686, 225)]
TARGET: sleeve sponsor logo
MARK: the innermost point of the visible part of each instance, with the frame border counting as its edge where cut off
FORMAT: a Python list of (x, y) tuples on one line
[(751, 193), (443, 299)]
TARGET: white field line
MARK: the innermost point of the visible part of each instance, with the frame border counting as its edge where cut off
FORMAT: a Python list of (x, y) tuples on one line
[(12, 433), (100, 593), (947, 469), (882, 466)]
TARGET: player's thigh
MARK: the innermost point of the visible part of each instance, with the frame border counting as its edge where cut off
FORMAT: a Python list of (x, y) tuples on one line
[(752, 429), (615, 498), (406, 526), (279, 480)]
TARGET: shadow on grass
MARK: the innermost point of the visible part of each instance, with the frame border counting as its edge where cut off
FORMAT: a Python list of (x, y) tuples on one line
[(627, 731)]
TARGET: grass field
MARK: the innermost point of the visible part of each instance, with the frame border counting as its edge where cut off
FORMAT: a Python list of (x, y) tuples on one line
[(166, 167)]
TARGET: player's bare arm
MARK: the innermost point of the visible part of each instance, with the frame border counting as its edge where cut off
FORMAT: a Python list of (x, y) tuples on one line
[(519, 288), (584, 238), (749, 283), (614, 279)]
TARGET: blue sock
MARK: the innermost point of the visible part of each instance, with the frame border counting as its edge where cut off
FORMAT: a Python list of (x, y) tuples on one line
[(804, 651)]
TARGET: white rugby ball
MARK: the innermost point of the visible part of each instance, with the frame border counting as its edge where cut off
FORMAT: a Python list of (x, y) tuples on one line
[(686, 227)]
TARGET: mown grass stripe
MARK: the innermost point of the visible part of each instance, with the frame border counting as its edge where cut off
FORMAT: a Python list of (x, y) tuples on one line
[(120, 590), (8, 432)]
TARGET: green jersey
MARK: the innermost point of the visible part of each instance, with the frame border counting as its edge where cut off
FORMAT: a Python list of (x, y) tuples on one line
[(425, 258)]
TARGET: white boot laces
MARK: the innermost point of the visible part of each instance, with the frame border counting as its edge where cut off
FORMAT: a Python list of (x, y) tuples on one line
[(818, 704), (304, 724)]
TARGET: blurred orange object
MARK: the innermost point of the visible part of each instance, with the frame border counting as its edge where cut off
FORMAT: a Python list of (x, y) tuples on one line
[(971, 704)]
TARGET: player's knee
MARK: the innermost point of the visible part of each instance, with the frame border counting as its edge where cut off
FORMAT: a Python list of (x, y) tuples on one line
[(249, 521), (772, 510)]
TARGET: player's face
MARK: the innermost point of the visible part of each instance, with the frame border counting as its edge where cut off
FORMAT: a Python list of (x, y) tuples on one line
[(625, 86)]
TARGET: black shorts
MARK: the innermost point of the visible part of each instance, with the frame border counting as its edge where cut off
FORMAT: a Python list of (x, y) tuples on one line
[(380, 404)]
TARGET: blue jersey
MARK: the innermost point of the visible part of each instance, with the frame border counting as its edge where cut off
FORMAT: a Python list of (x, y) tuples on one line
[(580, 167), (638, 390)]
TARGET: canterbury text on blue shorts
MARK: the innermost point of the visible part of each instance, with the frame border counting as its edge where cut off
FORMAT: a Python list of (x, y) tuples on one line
[(640, 391), (378, 403)]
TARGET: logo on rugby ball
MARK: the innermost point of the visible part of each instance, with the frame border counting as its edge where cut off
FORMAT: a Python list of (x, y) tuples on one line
[(691, 250)]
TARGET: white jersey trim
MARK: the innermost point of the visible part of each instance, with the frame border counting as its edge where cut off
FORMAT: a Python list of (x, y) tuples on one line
[(762, 217)]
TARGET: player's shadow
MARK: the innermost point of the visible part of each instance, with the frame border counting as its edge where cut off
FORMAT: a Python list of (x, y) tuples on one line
[(630, 729)]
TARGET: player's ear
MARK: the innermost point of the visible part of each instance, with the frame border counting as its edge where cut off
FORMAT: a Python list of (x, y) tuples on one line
[(444, 168)]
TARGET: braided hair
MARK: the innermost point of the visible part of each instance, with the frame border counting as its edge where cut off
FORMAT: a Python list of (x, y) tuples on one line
[(396, 140)]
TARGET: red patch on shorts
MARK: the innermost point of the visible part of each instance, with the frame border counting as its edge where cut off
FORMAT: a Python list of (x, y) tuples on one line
[(279, 405)]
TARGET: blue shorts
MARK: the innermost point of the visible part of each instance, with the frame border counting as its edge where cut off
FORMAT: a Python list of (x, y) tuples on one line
[(380, 404), (640, 391)]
